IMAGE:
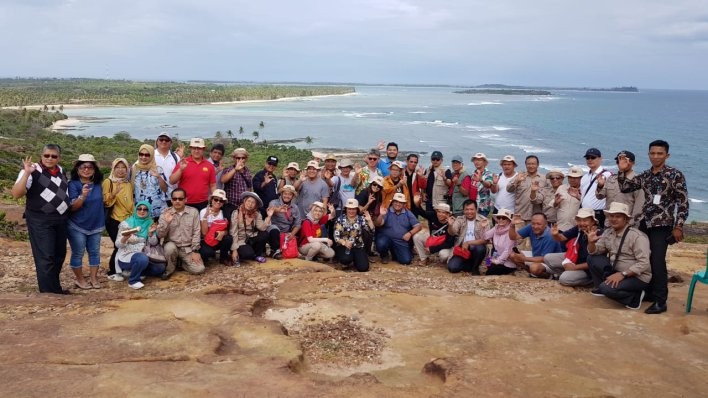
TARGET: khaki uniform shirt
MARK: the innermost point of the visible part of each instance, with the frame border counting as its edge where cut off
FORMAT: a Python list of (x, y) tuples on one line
[(611, 193), (522, 191), (634, 255), (545, 197), (184, 230), (567, 209), (459, 228)]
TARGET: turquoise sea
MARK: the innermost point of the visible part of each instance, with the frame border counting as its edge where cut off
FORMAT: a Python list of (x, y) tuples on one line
[(558, 128)]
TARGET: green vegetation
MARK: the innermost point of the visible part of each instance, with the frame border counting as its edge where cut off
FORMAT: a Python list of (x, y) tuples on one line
[(24, 132), (10, 230), (25, 92)]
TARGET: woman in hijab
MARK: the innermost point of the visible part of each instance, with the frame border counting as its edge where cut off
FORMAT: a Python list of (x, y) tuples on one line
[(86, 221), (118, 196), (312, 242), (134, 233), (149, 181), (248, 229)]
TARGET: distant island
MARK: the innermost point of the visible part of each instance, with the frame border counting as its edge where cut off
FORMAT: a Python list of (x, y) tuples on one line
[(503, 91), (623, 89)]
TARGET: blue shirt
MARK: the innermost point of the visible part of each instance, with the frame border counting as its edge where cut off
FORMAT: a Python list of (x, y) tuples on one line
[(384, 164), (541, 245), (89, 219), (397, 225)]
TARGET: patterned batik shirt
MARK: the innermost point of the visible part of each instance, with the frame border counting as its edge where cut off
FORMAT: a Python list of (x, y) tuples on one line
[(351, 231), (484, 194), (670, 186)]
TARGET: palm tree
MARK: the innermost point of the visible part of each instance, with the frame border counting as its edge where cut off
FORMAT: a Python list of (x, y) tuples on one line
[(255, 135), (309, 140), (229, 133), (240, 130)]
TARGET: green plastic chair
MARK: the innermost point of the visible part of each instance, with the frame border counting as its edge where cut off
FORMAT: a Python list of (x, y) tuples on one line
[(699, 276)]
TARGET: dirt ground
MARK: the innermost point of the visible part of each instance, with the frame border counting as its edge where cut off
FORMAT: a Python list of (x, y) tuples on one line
[(301, 329)]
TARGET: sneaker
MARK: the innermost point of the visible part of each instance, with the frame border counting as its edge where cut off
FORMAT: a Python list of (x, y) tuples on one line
[(596, 292), (126, 274), (639, 303), (260, 259), (384, 260), (136, 285), (116, 277), (277, 255)]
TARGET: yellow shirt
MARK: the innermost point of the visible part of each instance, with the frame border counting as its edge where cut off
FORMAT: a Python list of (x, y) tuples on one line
[(122, 202)]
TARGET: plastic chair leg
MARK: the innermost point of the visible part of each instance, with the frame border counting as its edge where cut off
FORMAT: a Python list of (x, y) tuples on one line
[(689, 301)]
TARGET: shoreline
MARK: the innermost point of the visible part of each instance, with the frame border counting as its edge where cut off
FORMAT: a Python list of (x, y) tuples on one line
[(83, 106)]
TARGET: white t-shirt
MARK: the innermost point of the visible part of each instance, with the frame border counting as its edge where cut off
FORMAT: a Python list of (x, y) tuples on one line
[(346, 190), (167, 163), (504, 199), (469, 233), (210, 218), (590, 200)]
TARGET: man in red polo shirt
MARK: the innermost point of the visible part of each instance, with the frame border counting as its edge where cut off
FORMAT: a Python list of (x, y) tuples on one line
[(195, 175)]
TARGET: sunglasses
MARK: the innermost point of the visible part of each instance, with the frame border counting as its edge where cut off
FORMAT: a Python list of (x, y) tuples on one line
[(436, 159), (86, 167), (375, 186), (178, 199), (144, 155), (218, 200), (50, 156), (142, 209), (373, 158), (555, 178), (591, 158), (196, 148), (164, 139)]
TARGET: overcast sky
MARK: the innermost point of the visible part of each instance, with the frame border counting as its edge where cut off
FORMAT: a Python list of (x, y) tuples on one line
[(601, 43)]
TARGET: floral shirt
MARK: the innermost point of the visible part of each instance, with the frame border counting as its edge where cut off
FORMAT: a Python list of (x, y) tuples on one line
[(147, 188), (484, 194), (351, 231), (665, 192), (365, 176)]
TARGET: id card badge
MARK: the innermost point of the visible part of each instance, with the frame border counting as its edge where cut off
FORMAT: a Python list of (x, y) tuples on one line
[(657, 199)]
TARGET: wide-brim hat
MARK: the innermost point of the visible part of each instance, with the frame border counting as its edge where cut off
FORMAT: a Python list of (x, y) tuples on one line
[(330, 156), (252, 195), (480, 155), (508, 158), (555, 172), (219, 193), (586, 212), (86, 157), (312, 163), (575, 171), (351, 204), (399, 197), (345, 163), (240, 151), (618, 207), (293, 165), (442, 207), (288, 187), (506, 213), (197, 143)]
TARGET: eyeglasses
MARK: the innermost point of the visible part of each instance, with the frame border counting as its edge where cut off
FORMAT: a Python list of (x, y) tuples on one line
[(144, 155), (555, 178), (86, 167), (217, 200), (142, 208), (436, 159), (590, 157), (164, 139), (375, 186), (178, 199), (50, 156)]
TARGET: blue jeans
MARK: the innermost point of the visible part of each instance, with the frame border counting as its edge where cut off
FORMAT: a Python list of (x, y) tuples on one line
[(80, 242), (401, 249), (477, 254), (140, 264)]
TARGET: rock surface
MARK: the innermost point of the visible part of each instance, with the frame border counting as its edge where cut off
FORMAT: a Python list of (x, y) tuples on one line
[(300, 329)]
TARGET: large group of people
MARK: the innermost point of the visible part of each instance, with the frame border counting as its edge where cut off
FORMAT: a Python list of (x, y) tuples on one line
[(165, 211)]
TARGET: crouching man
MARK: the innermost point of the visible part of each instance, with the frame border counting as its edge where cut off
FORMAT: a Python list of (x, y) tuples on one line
[(619, 259), (179, 226)]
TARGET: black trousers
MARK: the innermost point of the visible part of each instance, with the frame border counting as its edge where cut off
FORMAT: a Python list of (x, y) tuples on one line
[(224, 247), (112, 229), (659, 284), (48, 240), (457, 264), (356, 255), (627, 292)]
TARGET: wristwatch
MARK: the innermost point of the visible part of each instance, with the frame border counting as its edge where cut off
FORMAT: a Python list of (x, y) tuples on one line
[(624, 273)]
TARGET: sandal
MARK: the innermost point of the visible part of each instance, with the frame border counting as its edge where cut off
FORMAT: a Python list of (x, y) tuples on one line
[(80, 286), (260, 259), (96, 285)]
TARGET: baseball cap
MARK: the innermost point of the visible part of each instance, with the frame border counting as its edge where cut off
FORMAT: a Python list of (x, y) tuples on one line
[(627, 154), (592, 152), (272, 160)]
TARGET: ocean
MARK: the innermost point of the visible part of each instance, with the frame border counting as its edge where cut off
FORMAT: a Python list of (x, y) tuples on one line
[(557, 128)]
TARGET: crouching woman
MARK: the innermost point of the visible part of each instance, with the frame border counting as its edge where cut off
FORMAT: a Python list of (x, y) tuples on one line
[(349, 232), (130, 244)]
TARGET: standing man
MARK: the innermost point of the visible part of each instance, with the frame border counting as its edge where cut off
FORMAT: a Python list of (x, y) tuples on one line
[(237, 179), (180, 227), (664, 212), (588, 184), (166, 160), (520, 186), (391, 155), (46, 212), (505, 199), (416, 184), (435, 185), (546, 196), (265, 183), (215, 156), (609, 190), (312, 189), (566, 200), (195, 175), (367, 174), (457, 192), (481, 180)]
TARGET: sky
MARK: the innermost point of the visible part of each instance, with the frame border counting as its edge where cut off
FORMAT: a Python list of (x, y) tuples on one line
[(601, 43)]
